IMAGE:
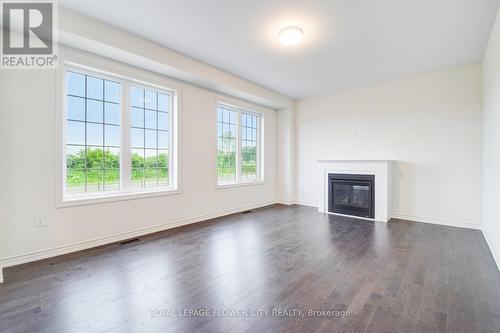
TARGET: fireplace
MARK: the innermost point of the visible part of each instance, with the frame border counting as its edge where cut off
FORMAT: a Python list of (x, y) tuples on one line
[(351, 194)]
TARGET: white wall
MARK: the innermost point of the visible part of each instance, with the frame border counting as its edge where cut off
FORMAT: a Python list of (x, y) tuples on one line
[(27, 130), (431, 124), (491, 141), (286, 158)]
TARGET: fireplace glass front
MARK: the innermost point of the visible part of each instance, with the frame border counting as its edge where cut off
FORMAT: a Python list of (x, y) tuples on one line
[(351, 194)]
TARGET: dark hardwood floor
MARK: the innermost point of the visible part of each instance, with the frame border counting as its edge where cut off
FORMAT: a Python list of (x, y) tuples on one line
[(374, 277)]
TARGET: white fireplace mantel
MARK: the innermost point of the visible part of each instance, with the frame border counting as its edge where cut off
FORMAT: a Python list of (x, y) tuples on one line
[(381, 169)]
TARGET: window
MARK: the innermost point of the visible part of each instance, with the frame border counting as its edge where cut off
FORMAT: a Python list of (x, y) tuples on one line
[(249, 142), (149, 137), (238, 145), (93, 134), (102, 154), (226, 145)]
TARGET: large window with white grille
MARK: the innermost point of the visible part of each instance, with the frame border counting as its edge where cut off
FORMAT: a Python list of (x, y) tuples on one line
[(119, 136), (238, 145)]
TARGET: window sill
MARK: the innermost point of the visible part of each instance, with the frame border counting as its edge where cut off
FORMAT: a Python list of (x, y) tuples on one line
[(242, 184), (94, 200)]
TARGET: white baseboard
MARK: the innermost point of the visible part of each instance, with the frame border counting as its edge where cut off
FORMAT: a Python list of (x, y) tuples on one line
[(493, 248), (423, 219), (439, 221), (286, 203), (355, 217), (65, 249), (306, 204)]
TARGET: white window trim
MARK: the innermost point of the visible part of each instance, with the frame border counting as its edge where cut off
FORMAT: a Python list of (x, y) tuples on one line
[(126, 81), (260, 147)]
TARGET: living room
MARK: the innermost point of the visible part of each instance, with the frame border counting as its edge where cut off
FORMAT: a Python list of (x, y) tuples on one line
[(267, 166)]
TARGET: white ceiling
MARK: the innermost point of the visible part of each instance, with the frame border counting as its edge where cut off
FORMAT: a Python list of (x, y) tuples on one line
[(346, 42)]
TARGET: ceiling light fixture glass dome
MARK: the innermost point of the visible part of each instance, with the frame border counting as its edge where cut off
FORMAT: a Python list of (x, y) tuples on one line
[(290, 36)]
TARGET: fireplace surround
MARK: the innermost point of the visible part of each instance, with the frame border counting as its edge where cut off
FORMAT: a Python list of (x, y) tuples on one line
[(382, 188)]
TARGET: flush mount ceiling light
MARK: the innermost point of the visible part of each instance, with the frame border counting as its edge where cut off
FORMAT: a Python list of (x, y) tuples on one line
[(290, 36)]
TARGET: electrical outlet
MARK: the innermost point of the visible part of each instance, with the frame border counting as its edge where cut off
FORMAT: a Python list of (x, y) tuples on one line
[(40, 221)]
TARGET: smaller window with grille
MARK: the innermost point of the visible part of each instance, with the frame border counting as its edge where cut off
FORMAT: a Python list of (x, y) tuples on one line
[(238, 145)]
